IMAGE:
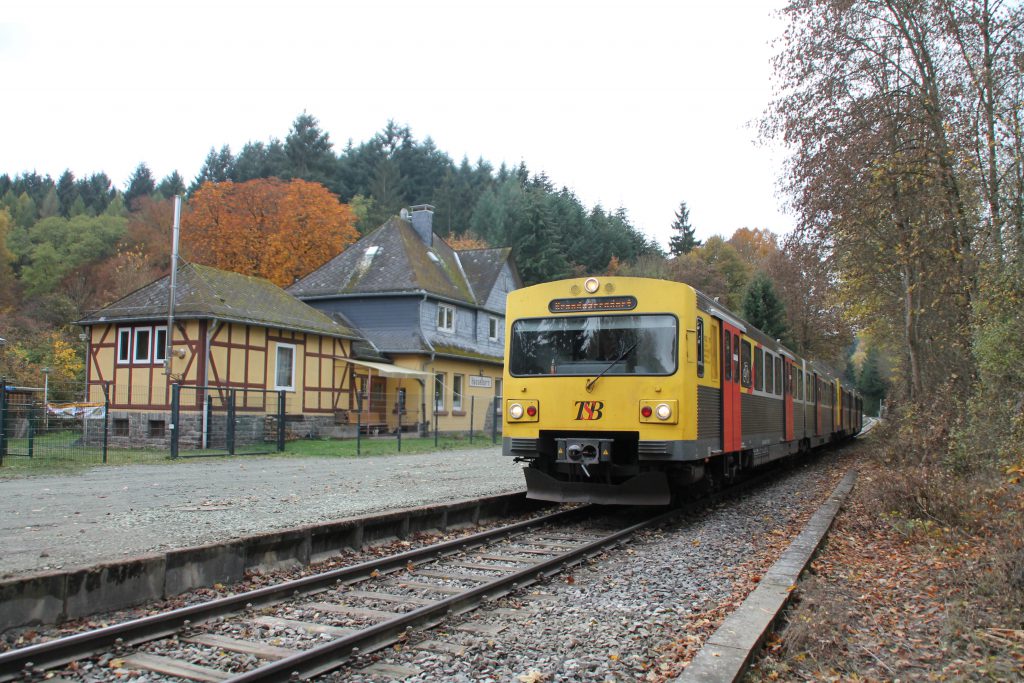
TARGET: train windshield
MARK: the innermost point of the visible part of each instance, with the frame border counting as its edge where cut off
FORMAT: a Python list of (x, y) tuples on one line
[(612, 344)]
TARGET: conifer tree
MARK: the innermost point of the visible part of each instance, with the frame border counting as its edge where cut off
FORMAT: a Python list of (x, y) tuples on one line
[(172, 185), (763, 309), (682, 240), (141, 184)]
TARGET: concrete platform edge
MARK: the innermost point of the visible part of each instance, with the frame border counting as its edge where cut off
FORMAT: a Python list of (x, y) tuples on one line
[(54, 596), (727, 653)]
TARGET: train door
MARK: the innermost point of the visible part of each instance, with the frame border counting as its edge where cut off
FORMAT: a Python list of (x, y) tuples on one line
[(732, 435), (816, 396), (787, 399)]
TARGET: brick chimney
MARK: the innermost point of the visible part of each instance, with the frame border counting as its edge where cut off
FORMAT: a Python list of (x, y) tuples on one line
[(423, 222)]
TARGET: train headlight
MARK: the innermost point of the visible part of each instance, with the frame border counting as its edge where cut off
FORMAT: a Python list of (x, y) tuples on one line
[(591, 284), (659, 411), (515, 411)]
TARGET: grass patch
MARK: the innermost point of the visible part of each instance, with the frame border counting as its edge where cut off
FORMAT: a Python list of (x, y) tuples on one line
[(346, 448), (58, 453)]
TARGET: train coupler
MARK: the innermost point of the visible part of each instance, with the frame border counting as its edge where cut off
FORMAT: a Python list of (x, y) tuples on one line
[(583, 452)]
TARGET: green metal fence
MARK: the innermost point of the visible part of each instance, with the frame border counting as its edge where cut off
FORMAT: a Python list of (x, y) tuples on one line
[(54, 424)]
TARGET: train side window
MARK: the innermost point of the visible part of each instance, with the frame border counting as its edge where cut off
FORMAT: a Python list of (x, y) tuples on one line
[(800, 385), (778, 375), (759, 356), (700, 346), (727, 353), (745, 364), (736, 357), (712, 351)]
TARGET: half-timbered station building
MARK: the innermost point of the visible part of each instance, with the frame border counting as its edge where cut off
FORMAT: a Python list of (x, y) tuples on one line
[(230, 332), (436, 313)]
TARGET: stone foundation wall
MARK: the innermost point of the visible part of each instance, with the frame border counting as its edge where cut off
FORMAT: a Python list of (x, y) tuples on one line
[(135, 429)]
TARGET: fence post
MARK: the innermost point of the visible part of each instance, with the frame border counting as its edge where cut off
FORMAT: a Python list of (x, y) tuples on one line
[(435, 426), (280, 420), (494, 419), (208, 411), (3, 419), (175, 415), (359, 421), (229, 428), (106, 418), (400, 407), (31, 432), (472, 405), (423, 427)]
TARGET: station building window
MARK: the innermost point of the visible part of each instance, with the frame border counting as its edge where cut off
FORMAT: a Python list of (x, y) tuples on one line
[(284, 371), (457, 382), (445, 318), (141, 345), (439, 382)]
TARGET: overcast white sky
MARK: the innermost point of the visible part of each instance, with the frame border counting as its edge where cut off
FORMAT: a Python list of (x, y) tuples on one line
[(634, 103)]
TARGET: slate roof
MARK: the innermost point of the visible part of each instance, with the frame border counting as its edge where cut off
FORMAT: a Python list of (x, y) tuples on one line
[(482, 267), (203, 292), (391, 259)]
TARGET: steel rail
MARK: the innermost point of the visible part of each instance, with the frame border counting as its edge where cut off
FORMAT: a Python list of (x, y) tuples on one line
[(328, 656), (60, 651)]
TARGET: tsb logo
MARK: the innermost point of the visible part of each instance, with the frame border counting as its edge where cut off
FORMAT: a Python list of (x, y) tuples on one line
[(589, 410)]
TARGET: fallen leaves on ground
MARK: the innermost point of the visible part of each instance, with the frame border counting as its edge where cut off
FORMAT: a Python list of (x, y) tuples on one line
[(880, 604)]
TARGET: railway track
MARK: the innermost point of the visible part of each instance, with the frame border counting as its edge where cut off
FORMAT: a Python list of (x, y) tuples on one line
[(341, 613)]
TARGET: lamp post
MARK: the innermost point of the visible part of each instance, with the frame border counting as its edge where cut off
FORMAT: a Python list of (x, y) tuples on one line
[(46, 398)]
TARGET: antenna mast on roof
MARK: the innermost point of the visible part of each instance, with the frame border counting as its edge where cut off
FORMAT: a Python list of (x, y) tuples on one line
[(174, 282)]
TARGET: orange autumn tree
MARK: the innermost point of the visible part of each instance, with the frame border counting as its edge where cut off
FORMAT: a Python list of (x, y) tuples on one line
[(274, 229)]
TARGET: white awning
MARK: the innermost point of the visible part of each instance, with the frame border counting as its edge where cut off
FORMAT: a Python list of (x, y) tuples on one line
[(387, 370)]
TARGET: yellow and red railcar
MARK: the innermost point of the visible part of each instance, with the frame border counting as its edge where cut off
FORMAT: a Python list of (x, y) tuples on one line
[(624, 390)]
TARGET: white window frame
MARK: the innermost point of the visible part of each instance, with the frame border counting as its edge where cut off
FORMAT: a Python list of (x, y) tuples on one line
[(493, 328), (440, 379), (458, 387), (277, 360), (124, 345), (136, 347), (445, 317), (159, 350)]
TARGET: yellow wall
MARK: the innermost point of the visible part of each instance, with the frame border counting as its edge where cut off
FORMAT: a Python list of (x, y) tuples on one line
[(420, 395), (221, 354)]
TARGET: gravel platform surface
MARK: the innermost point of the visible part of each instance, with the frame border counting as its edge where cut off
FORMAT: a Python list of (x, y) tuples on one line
[(109, 513)]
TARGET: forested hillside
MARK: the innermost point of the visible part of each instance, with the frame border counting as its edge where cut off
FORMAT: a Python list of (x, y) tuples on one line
[(278, 209)]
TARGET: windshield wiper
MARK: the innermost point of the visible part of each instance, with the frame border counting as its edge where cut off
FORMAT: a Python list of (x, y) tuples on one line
[(591, 383)]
